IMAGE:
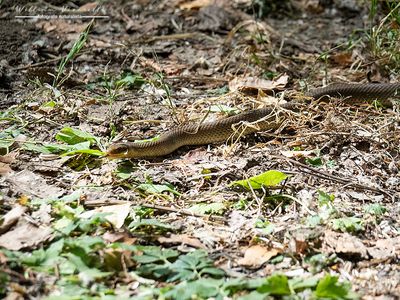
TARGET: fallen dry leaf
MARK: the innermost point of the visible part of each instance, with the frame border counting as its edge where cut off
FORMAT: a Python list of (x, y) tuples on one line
[(301, 240), (343, 58), (291, 154), (117, 213), (112, 237), (344, 243), (25, 235), (249, 84), (90, 6), (196, 4), (4, 169), (62, 26), (181, 239), (5, 161), (385, 248), (29, 183), (11, 218), (255, 256), (117, 259)]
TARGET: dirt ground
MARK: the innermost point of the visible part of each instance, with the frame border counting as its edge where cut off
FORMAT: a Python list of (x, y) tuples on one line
[(147, 66)]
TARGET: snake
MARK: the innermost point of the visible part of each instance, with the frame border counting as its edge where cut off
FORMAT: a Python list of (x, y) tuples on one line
[(251, 121)]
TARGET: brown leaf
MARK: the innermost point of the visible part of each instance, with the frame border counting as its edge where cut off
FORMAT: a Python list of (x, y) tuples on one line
[(255, 256), (117, 259), (117, 213), (196, 4), (181, 239), (5, 161), (343, 58), (344, 243), (29, 183), (291, 154), (8, 158), (303, 239), (90, 6), (11, 218), (4, 169), (62, 26), (25, 235), (249, 84), (123, 237), (385, 248)]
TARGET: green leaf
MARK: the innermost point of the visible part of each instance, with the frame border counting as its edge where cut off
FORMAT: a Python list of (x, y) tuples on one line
[(152, 270), (241, 204), (73, 136), (375, 209), (93, 152), (204, 288), (276, 285), (125, 169), (329, 288), (155, 262), (90, 275), (6, 143), (269, 178), (348, 224), (36, 258), (313, 221), (316, 162), (299, 283), (50, 104), (266, 227), (150, 223), (77, 261), (45, 147), (84, 244), (47, 259), (153, 254), (78, 44), (330, 164), (157, 188), (325, 198), (76, 195), (65, 225), (224, 109), (320, 261), (212, 208), (152, 139), (194, 265), (130, 80), (4, 282), (254, 295), (235, 285), (83, 147)]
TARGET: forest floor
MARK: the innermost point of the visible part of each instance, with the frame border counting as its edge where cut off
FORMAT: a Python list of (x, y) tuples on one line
[(308, 211)]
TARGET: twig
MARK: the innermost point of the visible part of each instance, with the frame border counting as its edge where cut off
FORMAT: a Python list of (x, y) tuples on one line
[(157, 207), (327, 176), (183, 212), (38, 64), (196, 78)]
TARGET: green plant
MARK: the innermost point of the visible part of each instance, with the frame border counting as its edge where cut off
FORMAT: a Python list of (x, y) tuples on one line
[(384, 38), (76, 48), (165, 263), (269, 178)]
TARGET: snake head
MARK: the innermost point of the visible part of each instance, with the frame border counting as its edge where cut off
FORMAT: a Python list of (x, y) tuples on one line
[(120, 150)]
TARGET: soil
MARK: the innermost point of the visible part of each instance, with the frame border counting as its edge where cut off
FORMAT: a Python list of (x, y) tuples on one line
[(189, 57)]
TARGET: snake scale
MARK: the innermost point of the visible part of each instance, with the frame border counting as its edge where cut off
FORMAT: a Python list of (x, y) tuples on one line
[(262, 119)]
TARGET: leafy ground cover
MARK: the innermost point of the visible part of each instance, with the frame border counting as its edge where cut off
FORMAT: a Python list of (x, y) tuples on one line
[(307, 211)]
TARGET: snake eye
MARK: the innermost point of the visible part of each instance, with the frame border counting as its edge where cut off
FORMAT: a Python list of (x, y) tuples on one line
[(117, 150)]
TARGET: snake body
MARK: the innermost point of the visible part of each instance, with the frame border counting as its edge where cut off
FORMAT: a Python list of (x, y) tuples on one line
[(363, 91), (255, 120)]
